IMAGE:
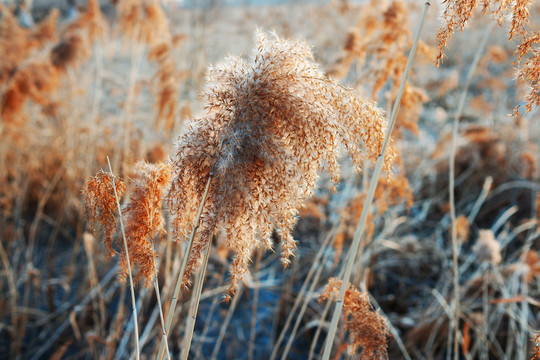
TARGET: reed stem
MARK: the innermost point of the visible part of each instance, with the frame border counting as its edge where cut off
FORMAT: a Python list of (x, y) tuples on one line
[(451, 193), (131, 287), (178, 286), (371, 192), (164, 333), (195, 303)]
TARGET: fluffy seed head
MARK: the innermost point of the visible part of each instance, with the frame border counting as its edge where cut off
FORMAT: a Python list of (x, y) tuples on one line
[(487, 248), (143, 218), (100, 203), (270, 124), (367, 328)]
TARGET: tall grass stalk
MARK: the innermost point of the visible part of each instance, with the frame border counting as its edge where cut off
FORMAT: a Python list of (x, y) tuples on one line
[(161, 318), (178, 286), (301, 294), (451, 191), (226, 323), (307, 297), (315, 267), (131, 287), (369, 198), (254, 306), (196, 297)]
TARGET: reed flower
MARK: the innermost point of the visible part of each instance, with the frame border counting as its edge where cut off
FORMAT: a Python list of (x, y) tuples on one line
[(100, 204), (487, 248), (269, 125), (146, 22), (457, 15), (143, 218), (367, 328)]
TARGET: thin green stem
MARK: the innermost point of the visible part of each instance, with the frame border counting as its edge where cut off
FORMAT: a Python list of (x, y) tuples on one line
[(371, 192), (131, 287)]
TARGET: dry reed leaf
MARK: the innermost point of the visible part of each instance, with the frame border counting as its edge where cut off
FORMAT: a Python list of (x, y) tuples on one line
[(514, 299), (268, 126), (466, 340)]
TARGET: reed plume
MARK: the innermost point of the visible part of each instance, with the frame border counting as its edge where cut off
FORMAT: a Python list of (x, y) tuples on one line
[(40, 78), (91, 22), (18, 43), (380, 43), (143, 218), (457, 15), (147, 23), (100, 204), (269, 125), (367, 328), (34, 81)]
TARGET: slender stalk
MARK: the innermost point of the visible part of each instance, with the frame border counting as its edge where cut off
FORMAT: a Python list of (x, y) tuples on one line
[(178, 286), (451, 193), (371, 192), (325, 312), (225, 324), (316, 264), (305, 304), (131, 287), (164, 333), (195, 303), (254, 306), (211, 310)]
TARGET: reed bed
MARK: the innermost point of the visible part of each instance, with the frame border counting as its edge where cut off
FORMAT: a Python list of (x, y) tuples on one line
[(243, 141)]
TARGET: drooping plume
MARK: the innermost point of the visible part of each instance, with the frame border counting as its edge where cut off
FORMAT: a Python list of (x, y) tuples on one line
[(269, 126)]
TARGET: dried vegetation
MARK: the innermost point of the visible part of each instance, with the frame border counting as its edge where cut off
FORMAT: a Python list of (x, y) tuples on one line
[(270, 131)]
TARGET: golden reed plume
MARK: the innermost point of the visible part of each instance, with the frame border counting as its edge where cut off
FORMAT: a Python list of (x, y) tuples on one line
[(39, 78), (270, 124), (100, 204), (367, 328), (457, 14), (143, 218)]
